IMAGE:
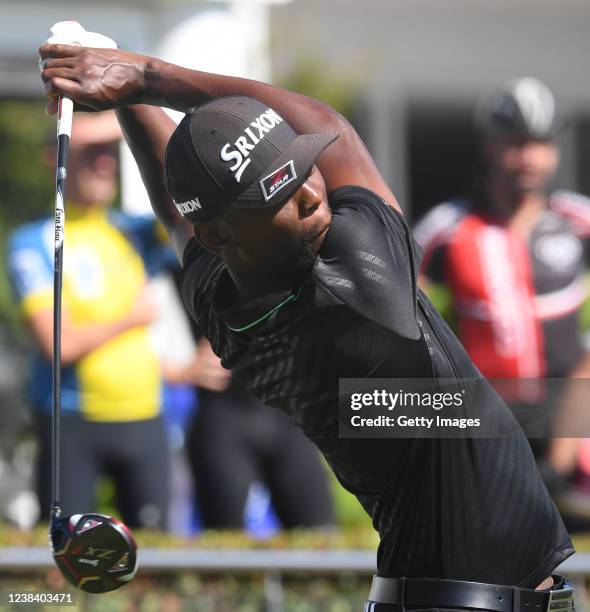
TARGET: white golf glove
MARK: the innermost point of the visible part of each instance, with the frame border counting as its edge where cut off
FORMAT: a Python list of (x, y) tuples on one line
[(72, 33)]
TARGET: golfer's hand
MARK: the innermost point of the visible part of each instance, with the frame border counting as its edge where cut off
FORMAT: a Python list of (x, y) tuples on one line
[(95, 79)]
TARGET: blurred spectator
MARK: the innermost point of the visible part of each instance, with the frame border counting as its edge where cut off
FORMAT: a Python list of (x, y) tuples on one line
[(236, 442), (18, 502), (512, 255), (111, 376)]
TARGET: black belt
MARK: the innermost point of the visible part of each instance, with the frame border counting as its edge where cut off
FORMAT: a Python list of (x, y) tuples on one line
[(432, 593)]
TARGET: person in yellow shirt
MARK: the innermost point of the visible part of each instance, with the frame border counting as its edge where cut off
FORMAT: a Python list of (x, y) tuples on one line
[(111, 383)]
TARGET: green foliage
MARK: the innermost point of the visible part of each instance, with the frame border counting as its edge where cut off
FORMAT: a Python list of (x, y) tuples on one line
[(190, 591), (208, 592), (350, 515), (26, 184), (307, 539), (316, 79), (585, 309), (442, 298), (106, 496), (239, 592)]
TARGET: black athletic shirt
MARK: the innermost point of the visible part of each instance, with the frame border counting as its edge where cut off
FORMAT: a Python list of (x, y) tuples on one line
[(469, 509)]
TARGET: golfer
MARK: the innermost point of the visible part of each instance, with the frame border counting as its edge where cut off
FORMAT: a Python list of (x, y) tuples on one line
[(299, 268)]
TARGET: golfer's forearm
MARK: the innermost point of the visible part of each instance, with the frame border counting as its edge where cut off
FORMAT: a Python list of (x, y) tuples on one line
[(344, 163), (147, 131), (180, 88)]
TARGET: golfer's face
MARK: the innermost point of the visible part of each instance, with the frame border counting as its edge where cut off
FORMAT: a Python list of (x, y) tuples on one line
[(283, 239)]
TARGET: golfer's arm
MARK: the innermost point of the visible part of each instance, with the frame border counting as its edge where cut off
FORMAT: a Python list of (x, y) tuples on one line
[(346, 162), (147, 130), (76, 341)]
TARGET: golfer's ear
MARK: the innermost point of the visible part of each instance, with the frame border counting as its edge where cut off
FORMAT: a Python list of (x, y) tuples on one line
[(211, 237)]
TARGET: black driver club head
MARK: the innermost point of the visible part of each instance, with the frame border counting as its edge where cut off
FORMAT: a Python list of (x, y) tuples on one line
[(95, 552)]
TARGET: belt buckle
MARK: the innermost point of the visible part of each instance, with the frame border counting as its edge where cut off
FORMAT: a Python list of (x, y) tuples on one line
[(561, 600)]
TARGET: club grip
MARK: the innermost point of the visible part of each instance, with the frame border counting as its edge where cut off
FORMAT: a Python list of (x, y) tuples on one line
[(65, 114)]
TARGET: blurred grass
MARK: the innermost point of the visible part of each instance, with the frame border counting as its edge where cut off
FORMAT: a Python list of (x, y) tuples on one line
[(362, 539), (582, 542), (190, 591), (214, 592), (342, 539)]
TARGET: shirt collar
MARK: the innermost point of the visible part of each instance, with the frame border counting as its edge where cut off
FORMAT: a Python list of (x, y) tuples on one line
[(242, 315)]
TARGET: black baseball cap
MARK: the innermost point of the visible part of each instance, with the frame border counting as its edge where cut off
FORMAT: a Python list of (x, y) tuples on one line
[(238, 152)]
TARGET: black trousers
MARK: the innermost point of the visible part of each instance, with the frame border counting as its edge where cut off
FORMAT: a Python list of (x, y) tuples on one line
[(236, 440), (135, 454)]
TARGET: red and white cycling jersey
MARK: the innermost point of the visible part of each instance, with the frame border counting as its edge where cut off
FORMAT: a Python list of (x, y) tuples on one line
[(516, 301)]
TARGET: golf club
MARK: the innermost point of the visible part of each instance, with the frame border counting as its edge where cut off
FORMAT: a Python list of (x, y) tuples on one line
[(95, 552)]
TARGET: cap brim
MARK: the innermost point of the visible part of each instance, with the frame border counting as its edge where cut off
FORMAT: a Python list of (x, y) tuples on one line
[(303, 152)]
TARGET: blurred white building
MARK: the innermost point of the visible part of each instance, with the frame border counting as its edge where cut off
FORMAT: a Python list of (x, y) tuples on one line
[(423, 63), (417, 65), (226, 36)]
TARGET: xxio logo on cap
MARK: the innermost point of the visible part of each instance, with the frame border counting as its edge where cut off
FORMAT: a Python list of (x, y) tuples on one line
[(278, 179), (184, 208), (245, 143)]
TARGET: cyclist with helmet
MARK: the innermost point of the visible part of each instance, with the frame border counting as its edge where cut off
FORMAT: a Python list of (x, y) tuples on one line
[(512, 256)]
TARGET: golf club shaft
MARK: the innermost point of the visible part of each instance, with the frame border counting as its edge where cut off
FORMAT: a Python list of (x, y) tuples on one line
[(64, 130)]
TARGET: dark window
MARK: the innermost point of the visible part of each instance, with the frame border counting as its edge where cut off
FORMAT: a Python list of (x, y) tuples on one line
[(442, 153)]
